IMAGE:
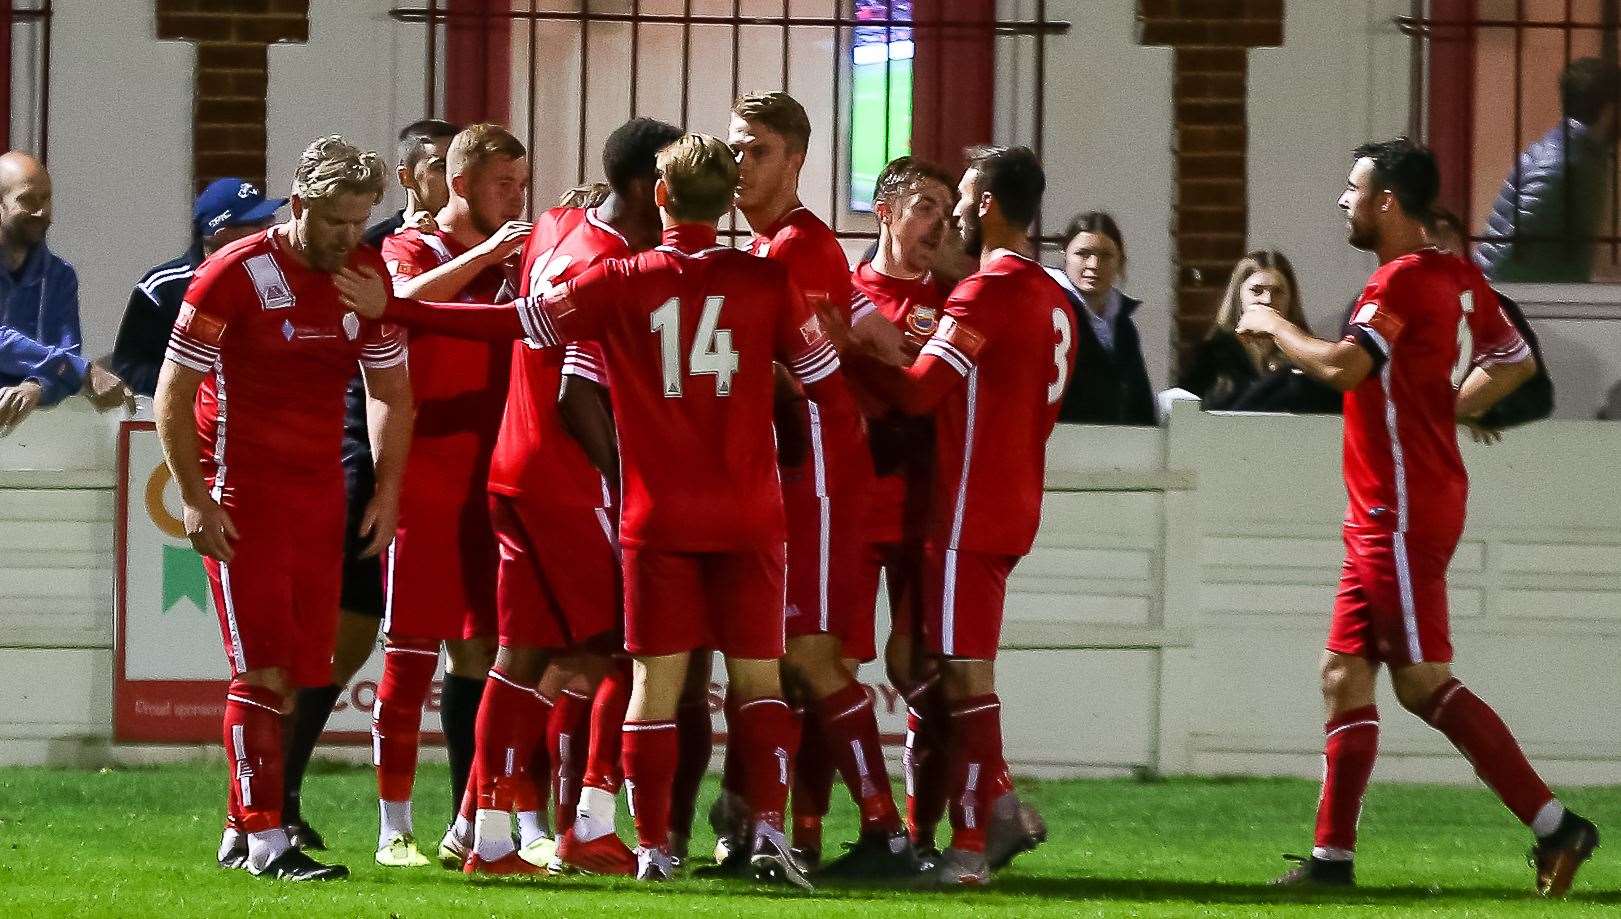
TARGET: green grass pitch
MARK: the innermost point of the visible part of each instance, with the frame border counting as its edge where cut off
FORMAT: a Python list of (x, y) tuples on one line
[(139, 842)]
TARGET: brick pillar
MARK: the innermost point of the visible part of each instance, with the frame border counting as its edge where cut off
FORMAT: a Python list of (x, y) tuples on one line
[(229, 82), (1210, 211)]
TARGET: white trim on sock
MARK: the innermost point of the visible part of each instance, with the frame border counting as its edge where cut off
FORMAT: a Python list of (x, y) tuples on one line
[(395, 818), (1547, 820), (532, 827), (265, 847), (492, 834), (1325, 854)]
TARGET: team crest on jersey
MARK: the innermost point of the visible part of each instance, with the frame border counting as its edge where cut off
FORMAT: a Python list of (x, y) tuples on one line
[(268, 281), (351, 326), (923, 320)]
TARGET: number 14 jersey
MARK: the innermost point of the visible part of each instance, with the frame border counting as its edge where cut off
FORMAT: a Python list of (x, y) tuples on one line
[(689, 332)]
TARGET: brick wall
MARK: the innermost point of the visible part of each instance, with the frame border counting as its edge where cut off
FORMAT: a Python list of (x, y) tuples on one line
[(1210, 210), (228, 107)]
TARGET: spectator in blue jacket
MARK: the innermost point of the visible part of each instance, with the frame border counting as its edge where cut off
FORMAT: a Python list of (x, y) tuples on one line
[(41, 353)]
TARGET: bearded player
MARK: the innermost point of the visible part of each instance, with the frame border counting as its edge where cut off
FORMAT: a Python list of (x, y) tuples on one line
[(262, 331), (992, 375), (440, 571), (1428, 348)]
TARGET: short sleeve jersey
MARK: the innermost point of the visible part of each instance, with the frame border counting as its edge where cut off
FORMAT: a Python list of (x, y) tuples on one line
[(278, 348), (535, 456), (914, 306), (689, 333), (1425, 318), (1009, 330), (459, 386), (816, 263)]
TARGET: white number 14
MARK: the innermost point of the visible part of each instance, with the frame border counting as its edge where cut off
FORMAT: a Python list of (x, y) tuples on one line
[(711, 351)]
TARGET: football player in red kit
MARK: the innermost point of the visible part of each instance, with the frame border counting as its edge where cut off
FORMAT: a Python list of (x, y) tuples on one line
[(825, 498), (1427, 348), (262, 331), (558, 593), (690, 332), (912, 200), (440, 572), (992, 374)]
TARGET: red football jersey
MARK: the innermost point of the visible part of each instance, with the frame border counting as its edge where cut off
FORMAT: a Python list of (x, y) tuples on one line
[(535, 456), (1010, 330), (279, 349), (1426, 318), (689, 332), (459, 386), (816, 263), (901, 445)]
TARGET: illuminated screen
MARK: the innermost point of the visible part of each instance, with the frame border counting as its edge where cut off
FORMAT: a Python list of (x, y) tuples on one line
[(881, 95)]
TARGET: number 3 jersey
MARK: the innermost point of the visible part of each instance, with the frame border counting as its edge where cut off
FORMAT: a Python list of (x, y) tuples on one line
[(535, 456), (689, 331), (1426, 318), (1010, 331)]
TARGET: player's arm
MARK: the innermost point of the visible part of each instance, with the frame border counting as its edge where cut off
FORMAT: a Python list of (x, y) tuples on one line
[(1342, 364), (207, 524), (1502, 360), (877, 338), (389, 418), (446, 281), (587, 414), (368, 295)]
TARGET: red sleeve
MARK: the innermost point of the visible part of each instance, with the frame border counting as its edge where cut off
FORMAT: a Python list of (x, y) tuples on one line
[(1496, 340), (407, 255), (584, 359), (819, 271), (1380, 315), (972, 316), (801, 344), (211, 303), (577, 309)]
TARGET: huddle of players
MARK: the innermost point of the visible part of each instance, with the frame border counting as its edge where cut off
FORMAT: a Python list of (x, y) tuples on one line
[(691, 449)]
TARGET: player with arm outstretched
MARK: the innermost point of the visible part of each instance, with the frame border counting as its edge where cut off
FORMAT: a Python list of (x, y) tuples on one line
[(1428, 348)]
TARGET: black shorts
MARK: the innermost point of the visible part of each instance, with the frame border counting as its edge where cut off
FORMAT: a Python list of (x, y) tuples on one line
[(362, 577)]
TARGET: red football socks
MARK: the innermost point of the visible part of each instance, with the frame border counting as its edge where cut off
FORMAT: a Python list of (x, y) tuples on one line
[(507, 732), (978, 773), (650, 754), (1485, 740), (764, 737), (396, 719), (926, 762), (1350, 744), (850, 728), (253, 748), (602, 766), (567, 736)]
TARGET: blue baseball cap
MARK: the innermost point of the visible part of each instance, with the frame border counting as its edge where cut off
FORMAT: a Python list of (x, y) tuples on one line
[(231, 202)]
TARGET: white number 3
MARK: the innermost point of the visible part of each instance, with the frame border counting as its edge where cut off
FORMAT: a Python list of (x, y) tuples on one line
[(1066, 334)]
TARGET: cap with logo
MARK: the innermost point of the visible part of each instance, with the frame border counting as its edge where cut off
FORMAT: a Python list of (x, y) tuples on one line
[(231, 202)]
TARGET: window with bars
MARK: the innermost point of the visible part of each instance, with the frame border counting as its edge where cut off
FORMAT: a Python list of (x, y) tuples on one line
[(878, 78), (1519, 100)]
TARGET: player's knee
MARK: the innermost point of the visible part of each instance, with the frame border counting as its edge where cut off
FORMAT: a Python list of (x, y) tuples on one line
[(964, 679), (274, 679), (470, 657), (754, 679), (522, 665), (1417, 684)]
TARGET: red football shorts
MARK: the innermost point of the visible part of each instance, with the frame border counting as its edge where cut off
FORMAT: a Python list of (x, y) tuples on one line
[(439, 574), (964, 594), (825, 582), (558, 585), (899, 563), (1392, 601), (682, 601), (277, 599)]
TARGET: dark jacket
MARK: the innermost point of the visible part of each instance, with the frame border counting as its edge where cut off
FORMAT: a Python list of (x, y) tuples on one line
[(1224, 379), (1108, 387), (1542, 224), (143, 335), (383, 229)]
